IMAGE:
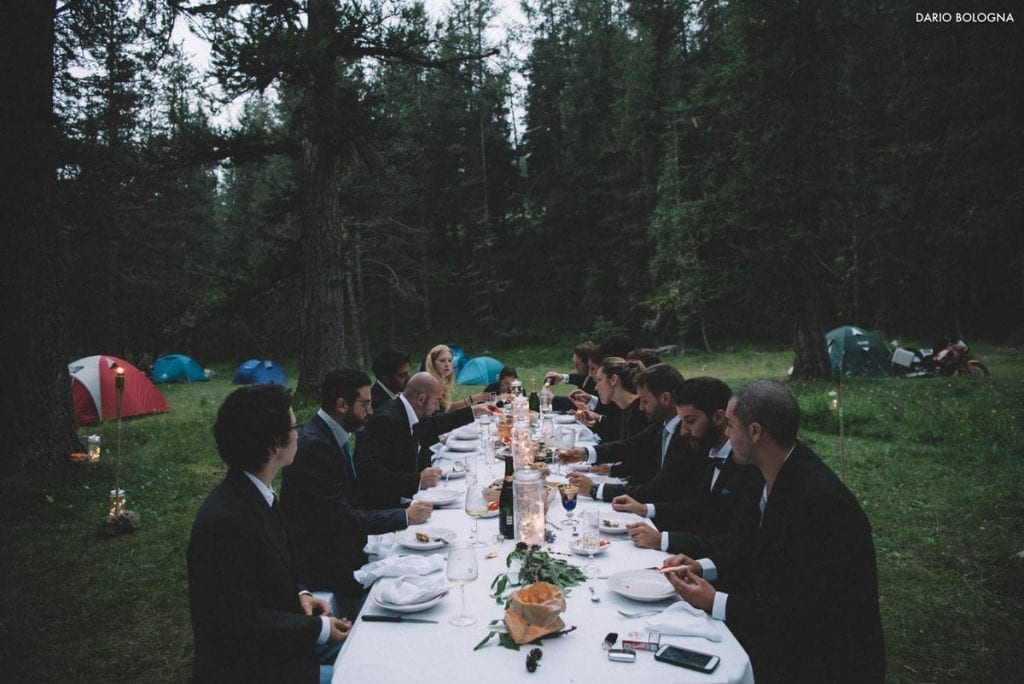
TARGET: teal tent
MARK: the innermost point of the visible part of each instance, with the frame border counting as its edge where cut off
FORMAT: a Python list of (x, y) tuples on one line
[(855, 351), (177, 368), (479, 370)]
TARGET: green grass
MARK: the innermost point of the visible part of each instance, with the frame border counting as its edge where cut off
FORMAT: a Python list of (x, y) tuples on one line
[(936, 464)]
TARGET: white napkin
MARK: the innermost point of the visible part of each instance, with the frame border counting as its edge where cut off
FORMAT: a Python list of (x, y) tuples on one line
[(398, 566), (585, 435), (402, 591), (682, 619), (380, 545)]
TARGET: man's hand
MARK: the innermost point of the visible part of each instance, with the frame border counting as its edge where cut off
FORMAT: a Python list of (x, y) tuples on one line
[(601, 469), (339, 630), (572, 455), (588, 417), (481, 409), (430, 477), (580, 398), (644, 536), (418, 512), (581, 481), (679, 559), (693, 588), (311, 605), (554, 376), (628, 504)]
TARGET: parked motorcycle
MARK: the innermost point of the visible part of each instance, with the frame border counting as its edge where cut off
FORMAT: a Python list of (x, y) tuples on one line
[(953, 357)]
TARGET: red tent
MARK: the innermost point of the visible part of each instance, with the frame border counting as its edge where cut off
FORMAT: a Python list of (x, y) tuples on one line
[(94, 396)]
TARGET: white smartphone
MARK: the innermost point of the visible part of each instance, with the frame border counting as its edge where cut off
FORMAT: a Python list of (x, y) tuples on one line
[(701, 662)]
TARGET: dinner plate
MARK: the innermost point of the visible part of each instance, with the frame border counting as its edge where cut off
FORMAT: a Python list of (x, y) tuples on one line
[(565, 419), (458, 445), (490, 514), (614, 524), (447, 472), (438, 497), (407, 537), (378, 589), (576, 546), (467, 432), (641, 585)]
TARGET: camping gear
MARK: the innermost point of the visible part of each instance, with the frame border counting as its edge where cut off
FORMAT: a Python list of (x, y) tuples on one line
[(952, 358), (855, 351), (94, 397), (256, 372), (480, 370), (177, 368)]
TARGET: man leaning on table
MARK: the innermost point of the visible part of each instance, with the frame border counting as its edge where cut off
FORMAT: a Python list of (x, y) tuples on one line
[(801, 592), (252, 621), (327, 531)]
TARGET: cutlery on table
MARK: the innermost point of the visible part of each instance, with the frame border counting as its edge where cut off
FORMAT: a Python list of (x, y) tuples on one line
[(641, 613), (593, 595), (395, 618)]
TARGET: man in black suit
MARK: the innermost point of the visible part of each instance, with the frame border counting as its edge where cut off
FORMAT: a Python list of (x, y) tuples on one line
[(252, 619), (801, 592), (393, 455), (724, 505), (391, 368), (326, 529), (581, 354), (661, 462)]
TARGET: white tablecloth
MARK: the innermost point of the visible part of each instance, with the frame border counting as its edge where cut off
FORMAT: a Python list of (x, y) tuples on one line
[(441, 653)]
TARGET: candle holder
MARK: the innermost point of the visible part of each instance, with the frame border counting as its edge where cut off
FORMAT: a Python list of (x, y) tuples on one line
[(528, 506), (522, 446), (117, 503), (119, 519), (94, 442)]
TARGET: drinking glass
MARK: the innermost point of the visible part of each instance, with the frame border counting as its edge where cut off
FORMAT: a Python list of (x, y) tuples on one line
[(505, 428), (462, 569), (590, 538), (565, 438), (568, 493), (476, 507)]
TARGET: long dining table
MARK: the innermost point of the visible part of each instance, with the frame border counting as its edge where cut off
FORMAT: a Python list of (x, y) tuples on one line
[(420, 652)]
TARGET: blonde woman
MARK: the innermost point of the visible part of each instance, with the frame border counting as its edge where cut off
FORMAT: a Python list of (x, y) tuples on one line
[(440, 363)]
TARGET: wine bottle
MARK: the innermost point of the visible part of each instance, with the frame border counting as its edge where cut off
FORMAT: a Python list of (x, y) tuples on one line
[(534, 397), (506, 514)]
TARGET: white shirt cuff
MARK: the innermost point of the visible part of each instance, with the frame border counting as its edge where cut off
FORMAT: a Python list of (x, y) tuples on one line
[(650, 512), (591, 454), (325, 630), (565, 377), (599, 492), (718, 607), (664, 541), (592, 404), (710, 570)]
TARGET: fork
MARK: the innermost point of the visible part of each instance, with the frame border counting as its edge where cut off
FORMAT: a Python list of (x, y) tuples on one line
[(641, 613)]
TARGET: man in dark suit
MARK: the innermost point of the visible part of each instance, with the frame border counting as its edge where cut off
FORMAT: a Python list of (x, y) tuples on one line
[(252, 619), (393, 455), (327, 531), (724, 505), (581, 354), (391, 368), (801, 592)]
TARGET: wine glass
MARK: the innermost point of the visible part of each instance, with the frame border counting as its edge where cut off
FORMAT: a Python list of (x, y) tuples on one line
[(568, 493), (476, 507), (565, 438), (590, 538), (461, 569)]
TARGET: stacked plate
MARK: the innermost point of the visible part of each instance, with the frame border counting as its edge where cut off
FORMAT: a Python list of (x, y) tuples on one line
[(436, 537), (381, 585), (438, 497), (641, 585)]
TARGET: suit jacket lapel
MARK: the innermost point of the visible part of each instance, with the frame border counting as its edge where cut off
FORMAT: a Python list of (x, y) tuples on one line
[(273, 527)]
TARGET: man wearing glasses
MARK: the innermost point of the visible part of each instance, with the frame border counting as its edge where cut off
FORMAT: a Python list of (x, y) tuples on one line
[(327, 531)]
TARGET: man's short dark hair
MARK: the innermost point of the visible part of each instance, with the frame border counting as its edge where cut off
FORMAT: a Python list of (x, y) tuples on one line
[(252, 421), (772, 404), (507, 372), (648, 357), (388, 362), (705, 394), (660, 378), (614, 345), (585, 350), (343, 383)]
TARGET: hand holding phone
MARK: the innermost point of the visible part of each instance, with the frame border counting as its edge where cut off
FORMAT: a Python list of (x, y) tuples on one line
[(693, 660)]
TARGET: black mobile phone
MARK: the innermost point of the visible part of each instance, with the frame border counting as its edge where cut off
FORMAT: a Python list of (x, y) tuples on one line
[(693, 660)]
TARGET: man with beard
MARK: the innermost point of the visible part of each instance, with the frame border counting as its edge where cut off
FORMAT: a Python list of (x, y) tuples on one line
[(391, 368), (724, 505), (663, 467), (801, 591), (327, 532)]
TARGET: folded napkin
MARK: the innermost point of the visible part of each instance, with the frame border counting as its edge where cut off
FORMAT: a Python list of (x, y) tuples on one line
[(682, 619), (402, 591), (398, 566), (380, 545)]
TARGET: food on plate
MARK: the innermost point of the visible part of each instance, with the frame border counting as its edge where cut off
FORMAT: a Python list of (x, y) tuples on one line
[(492, 506), (491, 554), (421, 537), (610, 523)]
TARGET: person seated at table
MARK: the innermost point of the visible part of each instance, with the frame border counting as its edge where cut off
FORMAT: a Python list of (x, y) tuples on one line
[(616, 383), (393, 456), (503, 385), (617, 346), (252, 621), (658, 447), (724, 505), (800, 593), (439, 363), (581, 354), (327, 531), (391, 368)]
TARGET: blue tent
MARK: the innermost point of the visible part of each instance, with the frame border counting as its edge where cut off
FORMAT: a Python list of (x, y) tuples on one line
[(177, 368), (458, 359), (256, 372), (480, 370)]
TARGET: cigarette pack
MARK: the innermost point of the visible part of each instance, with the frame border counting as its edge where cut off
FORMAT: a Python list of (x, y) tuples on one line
[(642, 641)]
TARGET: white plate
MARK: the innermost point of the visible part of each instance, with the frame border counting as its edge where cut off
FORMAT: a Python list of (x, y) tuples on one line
[(641, 585), (467, 432), (446, 471), (576, 546), (491, 514), (403, 608), (565, 419), (438, 497), (407, 537), (618, 521), (457, 445)]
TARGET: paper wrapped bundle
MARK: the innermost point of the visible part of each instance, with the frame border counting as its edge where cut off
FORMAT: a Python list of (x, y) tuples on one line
[(534, 611)]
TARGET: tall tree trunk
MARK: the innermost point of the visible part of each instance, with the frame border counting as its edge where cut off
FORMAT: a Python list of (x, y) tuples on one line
[(36, 400), (355, 314), (811, 359), (364, 320)]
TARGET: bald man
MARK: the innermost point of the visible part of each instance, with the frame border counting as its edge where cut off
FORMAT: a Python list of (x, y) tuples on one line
[(393, 452)]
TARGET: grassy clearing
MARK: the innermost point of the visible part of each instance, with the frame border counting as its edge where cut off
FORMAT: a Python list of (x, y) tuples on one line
[(936, 464)]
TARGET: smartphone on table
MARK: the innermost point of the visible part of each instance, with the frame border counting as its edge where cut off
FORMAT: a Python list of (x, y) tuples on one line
[(693, 660)]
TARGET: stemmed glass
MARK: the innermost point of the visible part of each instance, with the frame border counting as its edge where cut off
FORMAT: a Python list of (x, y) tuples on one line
[(565, 439), (461, 569), (568, 493), (476, 507), (590, 538)]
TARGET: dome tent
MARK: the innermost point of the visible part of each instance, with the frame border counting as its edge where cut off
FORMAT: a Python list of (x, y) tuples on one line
[(95, 397), (177, 368), (855, 351), (257, 372)]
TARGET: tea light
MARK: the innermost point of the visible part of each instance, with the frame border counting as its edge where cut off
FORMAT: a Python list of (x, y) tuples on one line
[(117, 503), (94, 447)]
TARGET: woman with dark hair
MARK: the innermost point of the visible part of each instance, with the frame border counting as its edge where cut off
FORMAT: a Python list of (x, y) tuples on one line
[(615, 383)]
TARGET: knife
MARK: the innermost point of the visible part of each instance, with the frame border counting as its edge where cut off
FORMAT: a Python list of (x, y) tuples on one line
[(395, 618)]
